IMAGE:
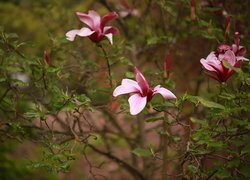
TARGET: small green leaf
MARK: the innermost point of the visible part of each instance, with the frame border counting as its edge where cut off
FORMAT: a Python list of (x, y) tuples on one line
[(154, 119), (223, 173), (130, 75), (246, 171), (142, 152), (210, 104), (204, 102)]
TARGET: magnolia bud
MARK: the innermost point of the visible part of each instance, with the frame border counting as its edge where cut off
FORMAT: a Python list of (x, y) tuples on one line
[(46, 58), (192, 14), (227, 26)]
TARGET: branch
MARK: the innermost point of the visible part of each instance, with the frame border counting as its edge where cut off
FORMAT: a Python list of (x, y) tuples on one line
[(127, 166)]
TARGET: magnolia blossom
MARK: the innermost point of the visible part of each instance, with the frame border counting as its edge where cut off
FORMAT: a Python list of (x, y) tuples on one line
[(238, 50), (127, 10), (142, 92), (96, 29), (234, 55), (214, 63)]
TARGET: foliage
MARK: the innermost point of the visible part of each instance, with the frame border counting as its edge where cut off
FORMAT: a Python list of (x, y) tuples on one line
[(56, 102)]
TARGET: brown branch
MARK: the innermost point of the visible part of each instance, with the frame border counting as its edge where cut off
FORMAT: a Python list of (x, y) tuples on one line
[(122, 163)]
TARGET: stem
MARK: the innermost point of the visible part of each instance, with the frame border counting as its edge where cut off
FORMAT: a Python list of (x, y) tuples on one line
[(108, 64), (165, 148), (141, 133)]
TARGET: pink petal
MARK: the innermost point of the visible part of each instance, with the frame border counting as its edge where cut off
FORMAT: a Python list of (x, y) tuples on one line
[(80, 32), (137, 103), (212, 63), (110, 37), (164, 92), (141, 81), (216, 77), (108, 17), (230, 57), (242, 51), (95, 18), (224, 47), (123, 14), (234, 48), (110, 29), (135, 13), (206, 65), (86, 19), (127, 86)]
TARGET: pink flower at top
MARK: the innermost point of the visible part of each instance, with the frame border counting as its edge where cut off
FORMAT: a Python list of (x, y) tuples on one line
[(214, 63), (127, 9), (96, 29), (142, 92)]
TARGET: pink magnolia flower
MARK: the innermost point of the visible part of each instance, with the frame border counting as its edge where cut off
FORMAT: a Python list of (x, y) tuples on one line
[(96, 29), (127, 9), (214, 63), (142, 92), (238, 50)]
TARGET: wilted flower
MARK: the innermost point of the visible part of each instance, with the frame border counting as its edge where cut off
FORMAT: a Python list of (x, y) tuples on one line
[(127, 9), (96, 29), (142, 92), (214, 63)]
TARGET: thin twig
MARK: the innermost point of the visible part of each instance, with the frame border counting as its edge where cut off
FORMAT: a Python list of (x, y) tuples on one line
[(108, 64)]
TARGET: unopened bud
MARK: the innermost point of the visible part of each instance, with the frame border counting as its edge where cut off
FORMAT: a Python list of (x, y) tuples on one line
[(227, 26), (237, 39), (46, 58), (192, 12)]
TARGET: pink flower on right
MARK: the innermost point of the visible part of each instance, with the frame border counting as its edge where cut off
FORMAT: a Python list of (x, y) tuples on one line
[(234, 55)]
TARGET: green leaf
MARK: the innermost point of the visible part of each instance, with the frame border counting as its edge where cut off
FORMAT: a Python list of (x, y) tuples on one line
[(130, 75), (142, 152), (210, 104), (229, 66), (198, 121), (154, 119), (125, 61), (246, 149), (234, 163), (204, 102), (192, 168), (246, 171), (223, 173)]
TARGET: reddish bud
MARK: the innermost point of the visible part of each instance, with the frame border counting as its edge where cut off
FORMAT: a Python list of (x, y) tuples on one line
[(237, 39), (46, 58), (167, 66), (192, 14), (227, 26)]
